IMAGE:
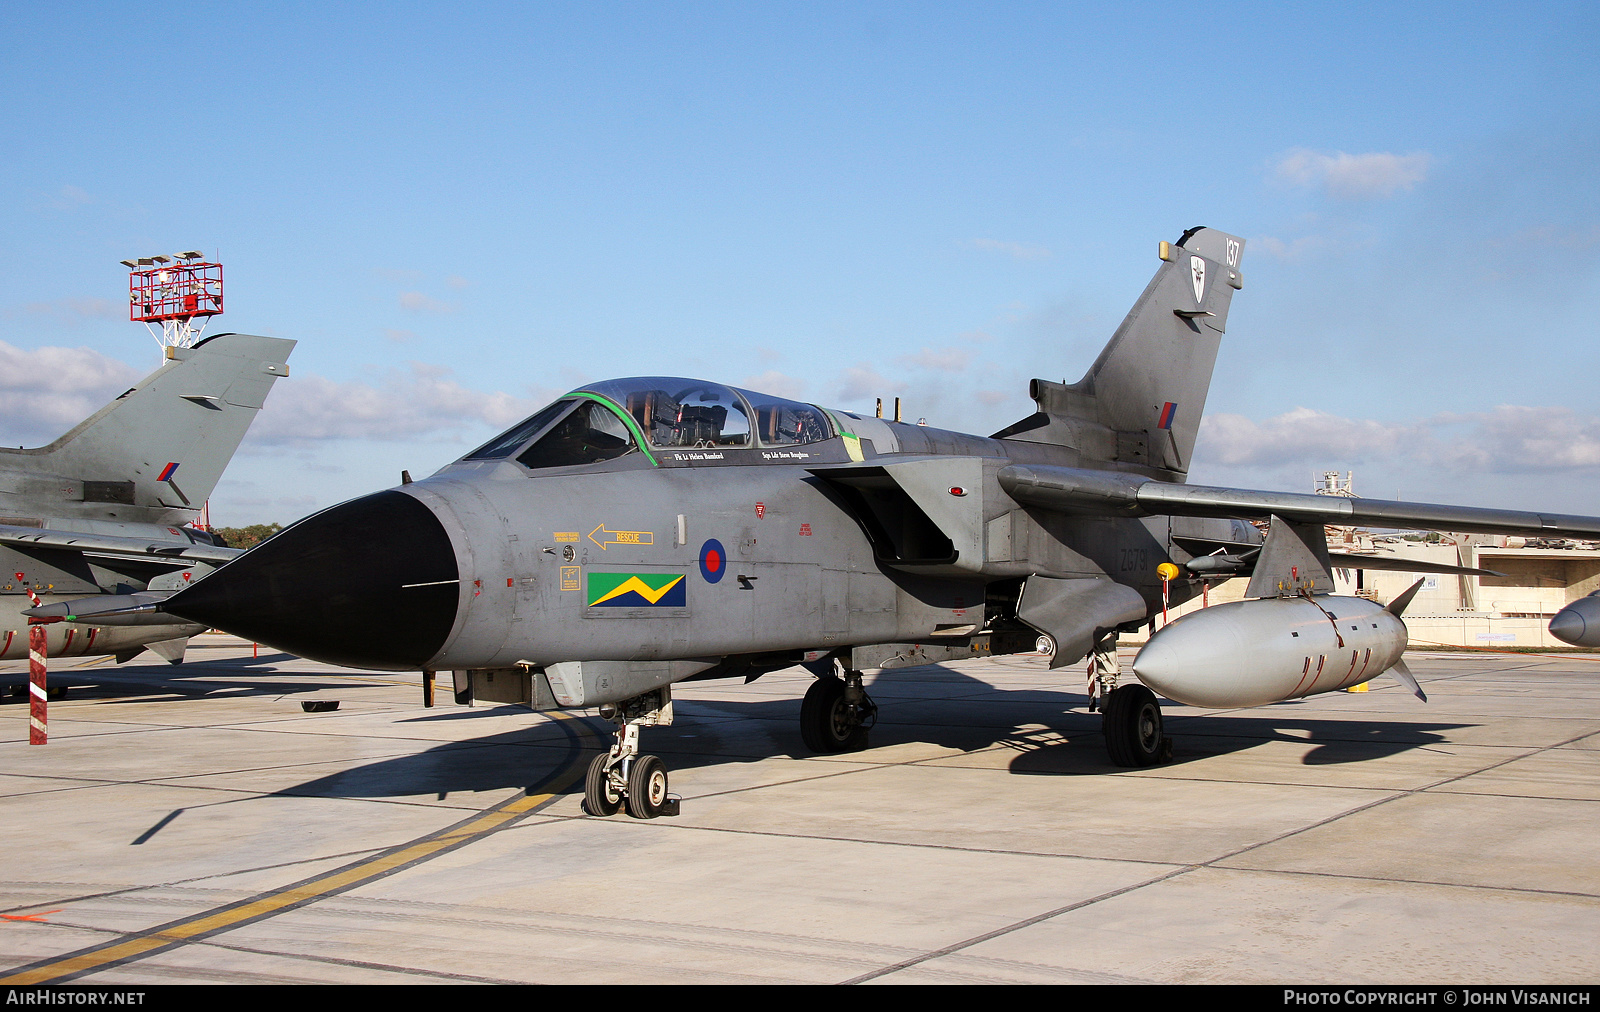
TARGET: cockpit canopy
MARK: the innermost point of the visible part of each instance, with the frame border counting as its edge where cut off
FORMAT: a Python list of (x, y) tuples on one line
[(608, 419), (675, 413)]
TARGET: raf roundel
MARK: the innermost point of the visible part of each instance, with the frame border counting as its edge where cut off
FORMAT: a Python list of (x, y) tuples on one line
[(713, 560)]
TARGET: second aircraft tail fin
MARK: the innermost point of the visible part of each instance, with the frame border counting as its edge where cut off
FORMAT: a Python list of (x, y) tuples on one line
[(163, 444)]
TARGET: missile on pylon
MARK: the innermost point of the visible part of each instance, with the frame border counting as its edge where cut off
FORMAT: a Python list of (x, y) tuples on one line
[(138, 608), (1247, 653), (1290, 639)]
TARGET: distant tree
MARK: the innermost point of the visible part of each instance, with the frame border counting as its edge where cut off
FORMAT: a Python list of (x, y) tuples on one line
[(247, 537)]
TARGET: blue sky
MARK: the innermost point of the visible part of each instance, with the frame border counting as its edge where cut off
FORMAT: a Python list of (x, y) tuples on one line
[(461, 210)]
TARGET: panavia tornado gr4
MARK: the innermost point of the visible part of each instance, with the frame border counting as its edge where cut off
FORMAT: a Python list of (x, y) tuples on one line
[(640, 532)]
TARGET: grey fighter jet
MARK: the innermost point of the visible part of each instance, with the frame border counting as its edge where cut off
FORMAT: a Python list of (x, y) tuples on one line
[(640, 532), (104, 508)]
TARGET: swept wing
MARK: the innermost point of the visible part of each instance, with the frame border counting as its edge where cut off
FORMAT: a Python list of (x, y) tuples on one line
[(1112, 493)]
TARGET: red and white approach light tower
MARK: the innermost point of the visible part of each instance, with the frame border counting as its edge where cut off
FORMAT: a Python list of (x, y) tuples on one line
[(174, 291)]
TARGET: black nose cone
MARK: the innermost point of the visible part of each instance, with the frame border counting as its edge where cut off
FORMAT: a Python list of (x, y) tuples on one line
[(371, 583)]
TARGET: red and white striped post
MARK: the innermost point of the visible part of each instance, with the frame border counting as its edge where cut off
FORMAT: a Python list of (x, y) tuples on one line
[(38, 714)]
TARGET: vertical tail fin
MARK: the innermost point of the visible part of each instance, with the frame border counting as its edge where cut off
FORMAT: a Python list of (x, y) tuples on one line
[(1138, 407), (162, 445)]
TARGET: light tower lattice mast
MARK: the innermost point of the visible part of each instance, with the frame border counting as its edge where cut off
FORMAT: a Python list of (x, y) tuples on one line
[(174, 291)]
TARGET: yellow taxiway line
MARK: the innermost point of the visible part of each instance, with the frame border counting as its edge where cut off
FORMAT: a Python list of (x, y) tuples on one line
[(210, 922)]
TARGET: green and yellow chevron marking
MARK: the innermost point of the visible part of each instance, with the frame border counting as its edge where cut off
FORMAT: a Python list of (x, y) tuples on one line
[(636, 590)]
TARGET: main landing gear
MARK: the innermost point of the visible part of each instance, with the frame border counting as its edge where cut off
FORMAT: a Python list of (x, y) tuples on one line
[(624, 778), (1132, 723), (836, 714), (1130, 715)]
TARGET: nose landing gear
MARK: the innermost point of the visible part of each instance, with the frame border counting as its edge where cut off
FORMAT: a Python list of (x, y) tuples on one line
[(624, 778)]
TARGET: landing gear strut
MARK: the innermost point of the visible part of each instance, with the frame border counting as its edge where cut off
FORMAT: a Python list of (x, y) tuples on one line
[(836, 713), (623, 777), (1103, 670)]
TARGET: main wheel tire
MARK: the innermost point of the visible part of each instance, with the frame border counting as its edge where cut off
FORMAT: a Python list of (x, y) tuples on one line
[(1132, 722), (827, 724), (599, 797), (647, 787)]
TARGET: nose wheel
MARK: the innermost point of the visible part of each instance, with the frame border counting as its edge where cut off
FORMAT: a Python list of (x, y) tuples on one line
[(647, 788), (600, 793), (622, 777)]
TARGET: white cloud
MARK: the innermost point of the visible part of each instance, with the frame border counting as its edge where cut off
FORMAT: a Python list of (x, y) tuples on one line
[(1353, 177), (1550, 237), (1511, 439), (1297, 436), (1015, 250), (939, 359), (425, 401), (862, 382), (420, 303), (400, 336), (1292, 250), (75, 310), (245, 498), (1516, 439), (776, 383), (62, 370), (47, 391), (70, 198), (398, 274)]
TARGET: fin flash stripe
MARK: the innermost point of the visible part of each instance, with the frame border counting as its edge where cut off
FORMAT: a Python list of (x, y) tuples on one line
[(1168, 411)]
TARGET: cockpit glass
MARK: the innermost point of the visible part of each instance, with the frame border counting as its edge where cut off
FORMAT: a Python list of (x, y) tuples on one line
[(505, 444), (681, 412), (590, 433), (676, 413), (781, 422)]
